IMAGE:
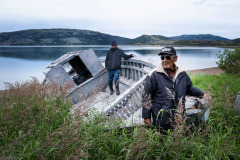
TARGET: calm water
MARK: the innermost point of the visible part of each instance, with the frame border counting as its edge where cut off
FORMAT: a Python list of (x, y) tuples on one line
[(22, 63)]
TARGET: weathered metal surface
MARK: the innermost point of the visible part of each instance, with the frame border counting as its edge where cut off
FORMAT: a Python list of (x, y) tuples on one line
[(133, 91), (64, 58), (92, 85), (91, 61), (64, 69), (237, 103), (58, 75), (86, 57)]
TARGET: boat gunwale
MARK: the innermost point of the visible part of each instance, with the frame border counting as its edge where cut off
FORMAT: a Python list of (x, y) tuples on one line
[(125, 95)]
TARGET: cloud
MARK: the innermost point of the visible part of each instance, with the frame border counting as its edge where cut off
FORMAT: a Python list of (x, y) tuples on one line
[(125, 18)]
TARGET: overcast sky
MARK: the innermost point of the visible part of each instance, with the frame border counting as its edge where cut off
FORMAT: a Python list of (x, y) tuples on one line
[(127, 18)]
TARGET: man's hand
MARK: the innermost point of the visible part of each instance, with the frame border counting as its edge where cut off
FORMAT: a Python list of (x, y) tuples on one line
[(106, 71), (133, 55), (208, 99), (147, 122)]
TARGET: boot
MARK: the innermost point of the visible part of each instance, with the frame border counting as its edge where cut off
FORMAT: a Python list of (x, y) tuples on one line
[(117, 87), (110, 84)]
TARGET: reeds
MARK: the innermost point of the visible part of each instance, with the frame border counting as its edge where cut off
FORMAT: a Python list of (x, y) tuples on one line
[(36, 123), (29, 112)]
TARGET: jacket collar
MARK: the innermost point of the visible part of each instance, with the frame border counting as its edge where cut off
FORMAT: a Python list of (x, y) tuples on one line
[(160, 69)]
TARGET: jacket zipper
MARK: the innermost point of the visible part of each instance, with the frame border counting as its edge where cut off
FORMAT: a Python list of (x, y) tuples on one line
[(113, 58), (173, 90), (174, 94), (176, 80)]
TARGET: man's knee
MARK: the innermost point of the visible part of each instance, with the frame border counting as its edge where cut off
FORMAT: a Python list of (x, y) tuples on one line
[(116, 75)]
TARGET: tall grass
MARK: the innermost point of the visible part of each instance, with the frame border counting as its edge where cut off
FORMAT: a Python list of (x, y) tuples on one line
[(28, 114), (37, 124)]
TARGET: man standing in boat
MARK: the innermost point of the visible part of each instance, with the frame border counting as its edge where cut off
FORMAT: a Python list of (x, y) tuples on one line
[(113, 65), (164, 88)]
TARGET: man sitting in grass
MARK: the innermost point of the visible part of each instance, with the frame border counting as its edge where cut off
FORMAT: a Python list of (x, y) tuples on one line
[(164, 89)]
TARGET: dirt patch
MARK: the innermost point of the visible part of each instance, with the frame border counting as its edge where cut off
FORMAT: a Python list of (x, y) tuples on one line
[(213, 70)]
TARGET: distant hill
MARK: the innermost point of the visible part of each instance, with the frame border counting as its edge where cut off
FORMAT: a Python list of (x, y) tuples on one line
[(152, 39), (59, 37), (74, 37), (203, 43), (87, 37), (236, 41), (200, 37)]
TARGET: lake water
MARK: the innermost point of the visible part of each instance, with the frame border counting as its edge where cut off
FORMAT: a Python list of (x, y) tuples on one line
[(22, 63)]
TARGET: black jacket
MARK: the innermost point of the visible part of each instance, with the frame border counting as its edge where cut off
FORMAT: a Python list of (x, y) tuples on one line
[(113, 59), (165, 94)]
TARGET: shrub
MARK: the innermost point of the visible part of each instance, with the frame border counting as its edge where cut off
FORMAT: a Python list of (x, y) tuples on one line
[(229, 61)]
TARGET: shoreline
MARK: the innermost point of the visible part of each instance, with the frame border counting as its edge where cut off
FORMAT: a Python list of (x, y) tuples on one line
[(210, 71)]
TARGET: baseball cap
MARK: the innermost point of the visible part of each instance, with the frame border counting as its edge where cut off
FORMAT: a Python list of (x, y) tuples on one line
[(114, 43), (168, 50)]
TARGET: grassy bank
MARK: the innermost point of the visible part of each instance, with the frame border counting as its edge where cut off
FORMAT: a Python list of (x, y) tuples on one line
[(37, 125)]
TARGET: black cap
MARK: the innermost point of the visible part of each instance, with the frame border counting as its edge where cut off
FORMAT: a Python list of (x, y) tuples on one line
[(168, 50), (114, 43)]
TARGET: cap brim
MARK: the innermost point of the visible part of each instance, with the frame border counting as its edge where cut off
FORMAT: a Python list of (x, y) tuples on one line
[(165, 53)]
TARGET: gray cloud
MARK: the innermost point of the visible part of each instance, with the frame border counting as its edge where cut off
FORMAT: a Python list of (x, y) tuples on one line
[(125, 18)]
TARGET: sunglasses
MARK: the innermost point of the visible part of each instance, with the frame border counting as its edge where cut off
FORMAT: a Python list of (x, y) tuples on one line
[(167, 57)]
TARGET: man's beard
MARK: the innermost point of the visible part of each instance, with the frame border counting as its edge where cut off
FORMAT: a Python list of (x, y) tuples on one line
[(114, 49)]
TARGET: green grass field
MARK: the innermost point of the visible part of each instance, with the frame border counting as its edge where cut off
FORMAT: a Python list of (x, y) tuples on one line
[(34, 124)]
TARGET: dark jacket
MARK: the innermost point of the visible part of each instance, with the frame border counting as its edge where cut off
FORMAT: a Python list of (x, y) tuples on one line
[(165, 94), (113, 59)]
